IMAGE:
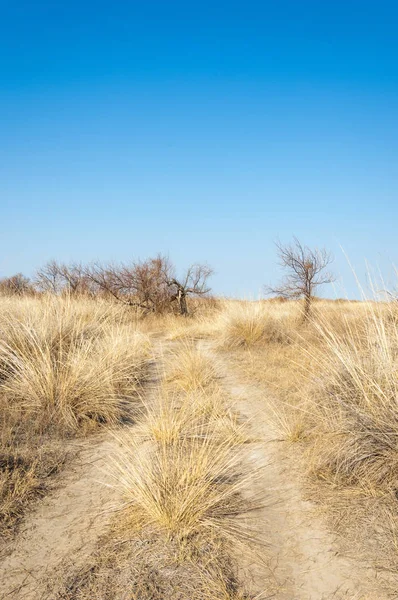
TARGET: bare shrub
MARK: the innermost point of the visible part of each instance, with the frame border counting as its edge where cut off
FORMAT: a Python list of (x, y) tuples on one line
[(16, 285), (60, 278), (150, 285), (140, 284), (193, 283)]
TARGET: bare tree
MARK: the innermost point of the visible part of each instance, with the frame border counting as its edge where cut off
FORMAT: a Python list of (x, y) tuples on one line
[(150, 286), (108, 280), (16, 285), (193, 283), (142, 284), (75, 281), (48, 278), (60, 278), (306, 271), (72, 278)]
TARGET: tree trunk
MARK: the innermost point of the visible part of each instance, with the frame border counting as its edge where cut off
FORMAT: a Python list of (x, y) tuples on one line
[(307, 307), (182, 299)]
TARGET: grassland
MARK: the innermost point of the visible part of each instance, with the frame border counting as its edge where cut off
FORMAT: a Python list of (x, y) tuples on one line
[(75, 369)]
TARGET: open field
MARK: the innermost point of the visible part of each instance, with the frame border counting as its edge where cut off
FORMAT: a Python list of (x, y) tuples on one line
[(199, 300), (238, 453)]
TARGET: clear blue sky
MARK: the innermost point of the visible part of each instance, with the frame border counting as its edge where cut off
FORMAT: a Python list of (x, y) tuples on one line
[(205, 130)]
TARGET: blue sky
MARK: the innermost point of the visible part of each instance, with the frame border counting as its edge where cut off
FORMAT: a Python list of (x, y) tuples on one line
[(203, 130)]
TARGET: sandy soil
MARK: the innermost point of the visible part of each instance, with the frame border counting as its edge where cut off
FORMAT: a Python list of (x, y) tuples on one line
[(65, 526)]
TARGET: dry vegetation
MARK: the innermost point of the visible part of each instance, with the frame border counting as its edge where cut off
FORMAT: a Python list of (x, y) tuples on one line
[(332, 387), (70, 366), (66, 369), (181, 471)]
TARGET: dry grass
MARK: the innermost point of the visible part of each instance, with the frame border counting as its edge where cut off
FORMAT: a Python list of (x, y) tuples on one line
[(253, 324), (353, 452), (182, 472), (189, 370), (147, 566), (333, 388), (27, 469), (197, 325), (183, 489), (66, 367), (69, 367), (356, 401), (68, 377), (197, 414)]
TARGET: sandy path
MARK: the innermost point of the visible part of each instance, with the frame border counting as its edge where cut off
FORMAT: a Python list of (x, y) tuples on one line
[(65, 526), (301, 561)]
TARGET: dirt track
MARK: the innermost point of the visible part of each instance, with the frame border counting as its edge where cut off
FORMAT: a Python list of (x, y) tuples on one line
[(298, 560), (65, 526)]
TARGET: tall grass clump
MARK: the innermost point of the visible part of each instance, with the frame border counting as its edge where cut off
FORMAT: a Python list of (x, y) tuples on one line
[(182, 489), (66, 370), (188, 369), (198, 414), (356, 400), (250, 324)]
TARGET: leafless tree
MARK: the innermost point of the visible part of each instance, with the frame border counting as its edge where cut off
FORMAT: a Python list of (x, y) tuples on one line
[(60, 278), (16, 285), (48, 278), (107, 279), (306, 271), (142, 284), (150, 286), (194, 282), (72, 278)]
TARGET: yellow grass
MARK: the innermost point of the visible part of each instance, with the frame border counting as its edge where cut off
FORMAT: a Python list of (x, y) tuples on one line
[(182, 489), (188, 369), (65, 367), (251, 324), (357, 399), (331, 387), (193, 443), (183, 471)]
